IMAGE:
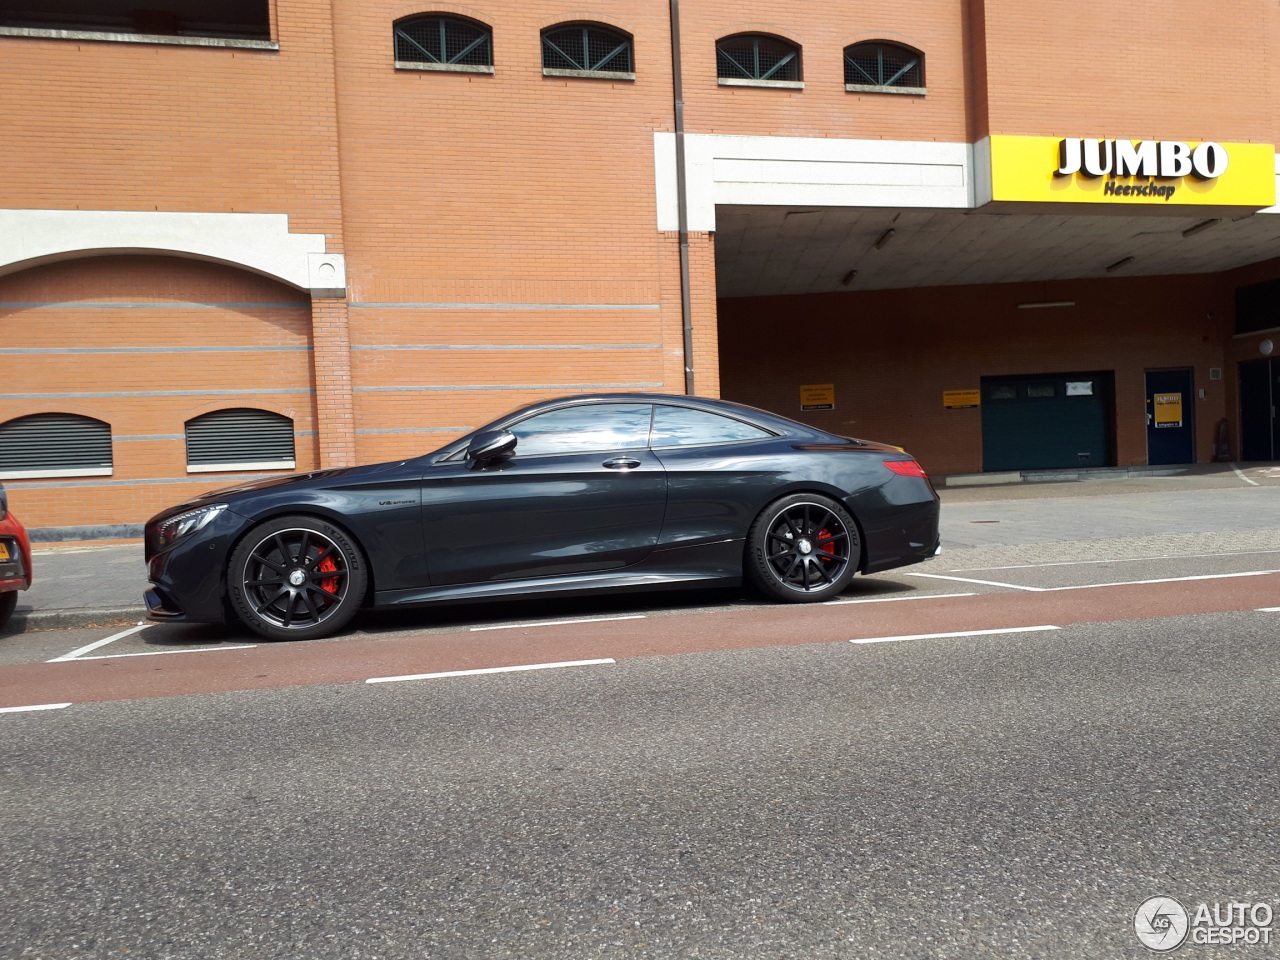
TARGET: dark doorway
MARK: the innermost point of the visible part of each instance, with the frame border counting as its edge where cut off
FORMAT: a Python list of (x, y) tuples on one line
[(1171, 435), (1259, 392)]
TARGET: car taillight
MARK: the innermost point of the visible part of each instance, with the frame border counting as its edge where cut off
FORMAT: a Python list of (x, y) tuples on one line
[(905, 468)]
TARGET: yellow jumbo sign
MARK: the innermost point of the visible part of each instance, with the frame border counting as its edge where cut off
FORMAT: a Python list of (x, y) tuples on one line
[(1132, 173)]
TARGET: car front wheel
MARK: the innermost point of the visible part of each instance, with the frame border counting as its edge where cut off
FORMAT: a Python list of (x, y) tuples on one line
[(296, 578), (803, 549)]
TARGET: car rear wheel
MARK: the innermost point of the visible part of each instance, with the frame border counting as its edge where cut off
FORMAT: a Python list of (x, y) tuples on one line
[(296, 578), (803, 549)]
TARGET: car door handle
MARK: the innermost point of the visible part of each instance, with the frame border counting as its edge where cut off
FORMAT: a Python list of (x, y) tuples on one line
[(621, 463)]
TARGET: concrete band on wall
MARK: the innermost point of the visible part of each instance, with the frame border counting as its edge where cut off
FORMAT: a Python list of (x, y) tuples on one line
[(810, 171), (259, 242), (822, 172)]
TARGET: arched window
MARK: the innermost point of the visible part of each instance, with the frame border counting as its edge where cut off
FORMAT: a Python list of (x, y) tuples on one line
[(55, 445), (883, 67), (239, 439), (437, 42), (757, 59), (587, 50)]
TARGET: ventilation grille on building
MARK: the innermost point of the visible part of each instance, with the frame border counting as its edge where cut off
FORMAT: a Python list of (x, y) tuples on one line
[(444, 40), (239, 439), (587, 49), (54, 444), (757, 57), (882, 65)]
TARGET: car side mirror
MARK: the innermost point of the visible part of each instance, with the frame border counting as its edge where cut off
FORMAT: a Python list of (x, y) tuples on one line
[(490, 447)]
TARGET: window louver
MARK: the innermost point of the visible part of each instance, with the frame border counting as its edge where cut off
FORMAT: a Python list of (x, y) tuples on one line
[(55, 444), (883, 65), (757, 57), (444, 42), (240, 439), (584, 48)]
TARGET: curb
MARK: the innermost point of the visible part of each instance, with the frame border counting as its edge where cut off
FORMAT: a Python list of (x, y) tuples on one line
[(31, 620)]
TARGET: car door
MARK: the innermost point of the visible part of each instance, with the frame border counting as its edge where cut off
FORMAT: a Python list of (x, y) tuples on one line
[(582, 494), (719, 471)]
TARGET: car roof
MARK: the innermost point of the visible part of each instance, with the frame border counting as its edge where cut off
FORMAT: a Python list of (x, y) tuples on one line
[(727, 407)]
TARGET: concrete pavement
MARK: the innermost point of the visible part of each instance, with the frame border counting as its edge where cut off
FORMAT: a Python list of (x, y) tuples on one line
[(1213, 508)]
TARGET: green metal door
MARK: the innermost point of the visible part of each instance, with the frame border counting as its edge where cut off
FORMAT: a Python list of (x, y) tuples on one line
[(1047, 422)]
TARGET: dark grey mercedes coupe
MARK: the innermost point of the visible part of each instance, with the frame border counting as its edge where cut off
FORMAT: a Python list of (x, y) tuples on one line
[(568, 496)]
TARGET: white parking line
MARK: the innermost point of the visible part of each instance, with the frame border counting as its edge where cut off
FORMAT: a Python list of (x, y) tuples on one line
[(1078, 563), (1095, 586), (928, 596), (1269, 610), (161, 653), (557, 623), (472, 673), (985, 583), (1138, 583), (961, 633), (76, 654), (1240, 474), (38, 706)]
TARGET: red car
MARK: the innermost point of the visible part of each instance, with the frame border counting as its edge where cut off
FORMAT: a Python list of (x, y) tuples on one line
[(15, 559)]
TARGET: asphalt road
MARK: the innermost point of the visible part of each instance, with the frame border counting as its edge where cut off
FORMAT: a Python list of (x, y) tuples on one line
[(713, 777), (1006, 796)]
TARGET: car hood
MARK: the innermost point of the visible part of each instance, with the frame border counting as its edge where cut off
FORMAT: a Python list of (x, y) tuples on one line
[(311, 480)]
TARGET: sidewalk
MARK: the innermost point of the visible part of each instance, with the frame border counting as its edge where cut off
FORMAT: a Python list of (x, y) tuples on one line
[(100, 583)]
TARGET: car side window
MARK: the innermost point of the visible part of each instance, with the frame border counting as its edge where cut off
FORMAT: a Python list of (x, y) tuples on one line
[(684, 427), (589, 428)]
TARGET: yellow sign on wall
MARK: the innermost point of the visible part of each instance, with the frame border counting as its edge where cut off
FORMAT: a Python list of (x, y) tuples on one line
[(1168, 409), (818, 396), (959, 399), (1133, 173)]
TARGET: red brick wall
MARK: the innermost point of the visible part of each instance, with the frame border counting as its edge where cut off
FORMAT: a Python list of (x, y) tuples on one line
[(121, 309), (127, 126), (513, 213), (1143, 70), (823, 108), (891, 354)]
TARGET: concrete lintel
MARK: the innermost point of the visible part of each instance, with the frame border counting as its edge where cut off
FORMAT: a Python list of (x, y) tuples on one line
[(259, 242)]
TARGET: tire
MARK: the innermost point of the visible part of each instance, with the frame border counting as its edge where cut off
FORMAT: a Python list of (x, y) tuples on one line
[(803, 549), (296, 578), (8, 600)]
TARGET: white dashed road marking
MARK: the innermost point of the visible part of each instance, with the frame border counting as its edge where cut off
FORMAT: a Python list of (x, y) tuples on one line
[(38, 706), (472, 673), (961, 633), (557, 623)]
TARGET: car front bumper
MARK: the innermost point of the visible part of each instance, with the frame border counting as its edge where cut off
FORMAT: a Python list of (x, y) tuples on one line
[(188, 579)]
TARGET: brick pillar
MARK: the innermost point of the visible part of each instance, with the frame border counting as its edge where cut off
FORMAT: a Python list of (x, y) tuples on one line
[(335, 414), (702, 295)]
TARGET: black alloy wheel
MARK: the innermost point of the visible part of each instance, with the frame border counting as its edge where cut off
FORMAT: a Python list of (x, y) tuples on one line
[(296, 578), (803, 549)]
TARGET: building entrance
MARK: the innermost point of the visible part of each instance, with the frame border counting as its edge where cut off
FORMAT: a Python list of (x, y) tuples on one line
[(1047, 422), (1170, 417), (1259, 394)]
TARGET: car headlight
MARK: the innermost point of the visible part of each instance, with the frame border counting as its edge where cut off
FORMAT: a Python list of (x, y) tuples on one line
[(184, 524)]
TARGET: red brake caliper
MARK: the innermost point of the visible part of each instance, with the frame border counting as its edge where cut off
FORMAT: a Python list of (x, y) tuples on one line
[(328, 584), (826, 543)]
